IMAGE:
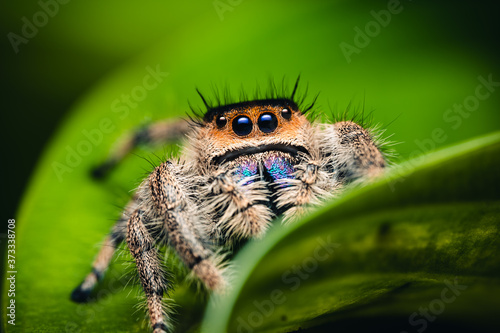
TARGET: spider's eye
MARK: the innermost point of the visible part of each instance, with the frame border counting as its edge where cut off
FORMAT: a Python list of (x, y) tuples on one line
[(242, 125), (221, 121), (268, 122), (286, 113)]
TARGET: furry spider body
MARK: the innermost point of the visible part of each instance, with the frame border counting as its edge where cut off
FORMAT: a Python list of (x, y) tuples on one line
[(245, 164)]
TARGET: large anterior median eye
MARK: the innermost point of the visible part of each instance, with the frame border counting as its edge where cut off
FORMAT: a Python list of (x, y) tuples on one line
[(267, 122), (242, 125)]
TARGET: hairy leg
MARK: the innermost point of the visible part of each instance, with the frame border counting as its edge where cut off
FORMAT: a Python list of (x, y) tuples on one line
[(346, 152), (352, 151), (154, 281), (117, 235), (310, 187), (167, 189), (152, 134), (167, 214), (239, 206)]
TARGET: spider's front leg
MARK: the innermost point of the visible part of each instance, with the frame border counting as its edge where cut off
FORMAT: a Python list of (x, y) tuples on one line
[(340, 153), (309, 187), (153, 279), (237, 206), (352, 152), (167, 207)]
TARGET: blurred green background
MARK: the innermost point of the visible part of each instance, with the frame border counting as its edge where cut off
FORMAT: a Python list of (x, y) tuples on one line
[(74, 69)]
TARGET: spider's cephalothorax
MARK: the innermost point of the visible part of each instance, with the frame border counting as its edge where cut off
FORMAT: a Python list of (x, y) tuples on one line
[(256, 149), (245, 164)]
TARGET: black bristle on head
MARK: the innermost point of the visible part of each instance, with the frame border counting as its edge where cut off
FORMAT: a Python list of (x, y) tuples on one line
[(295, 87), (222, 100), (356, 114), (202, 98)]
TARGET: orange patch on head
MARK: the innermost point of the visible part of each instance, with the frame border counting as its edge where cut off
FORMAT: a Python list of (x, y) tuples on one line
[(269, 123), (262, 121)]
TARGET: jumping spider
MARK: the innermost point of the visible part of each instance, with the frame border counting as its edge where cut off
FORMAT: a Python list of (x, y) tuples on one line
[(245, 164)]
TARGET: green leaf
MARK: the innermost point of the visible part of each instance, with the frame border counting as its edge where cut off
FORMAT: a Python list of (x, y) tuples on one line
[(382, 251)]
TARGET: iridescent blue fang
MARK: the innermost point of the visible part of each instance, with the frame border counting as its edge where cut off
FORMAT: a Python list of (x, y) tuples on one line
[(279, 167), (247, 168), (274, 168)]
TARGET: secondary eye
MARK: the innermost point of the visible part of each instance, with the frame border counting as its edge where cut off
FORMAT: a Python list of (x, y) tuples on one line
[(268, 122), (221, 121), (242, 125), (286, 113)]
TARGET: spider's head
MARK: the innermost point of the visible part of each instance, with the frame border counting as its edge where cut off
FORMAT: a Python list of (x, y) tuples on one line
[(253, 127)]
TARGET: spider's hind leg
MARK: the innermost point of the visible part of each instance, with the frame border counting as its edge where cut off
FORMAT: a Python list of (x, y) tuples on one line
[(166, 131), (82, 293)]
